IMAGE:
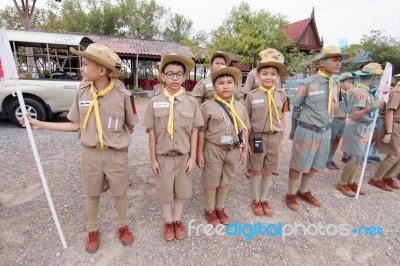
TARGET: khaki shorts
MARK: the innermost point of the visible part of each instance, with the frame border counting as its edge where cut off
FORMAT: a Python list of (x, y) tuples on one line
[(337, 128), (97, 164), (310, 149), (270, 157), (219, 166), (393, 147), (173, 182), (355, 138)]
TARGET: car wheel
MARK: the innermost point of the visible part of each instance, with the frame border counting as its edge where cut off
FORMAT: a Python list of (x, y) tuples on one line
[(34, 108)]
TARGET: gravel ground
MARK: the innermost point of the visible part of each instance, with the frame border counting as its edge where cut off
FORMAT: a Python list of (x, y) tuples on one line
[(28, 235)]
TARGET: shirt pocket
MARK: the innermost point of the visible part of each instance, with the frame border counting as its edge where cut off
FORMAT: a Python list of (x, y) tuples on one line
[(318, 102), (217, 121), (187, 120), (161, 119), (258, 110), (114, 120), (82, 114)]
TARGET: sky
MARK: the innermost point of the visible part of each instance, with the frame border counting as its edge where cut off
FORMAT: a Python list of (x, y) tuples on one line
[(341, 19)]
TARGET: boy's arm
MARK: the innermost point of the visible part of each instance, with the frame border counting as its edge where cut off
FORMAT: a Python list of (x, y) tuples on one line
[(40, 125), (245, 151), (200, 148), (191, 164), (388, 125), (153, 158)]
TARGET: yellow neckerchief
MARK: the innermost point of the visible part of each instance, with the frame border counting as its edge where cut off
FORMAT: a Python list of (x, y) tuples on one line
[(235, 116), (330, 88), (271, 103), (171, 99), (369, 91), (397, 84), (95, 105), (346, 94)]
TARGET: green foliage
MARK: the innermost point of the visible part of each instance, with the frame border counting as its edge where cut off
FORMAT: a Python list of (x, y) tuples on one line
[(136, 89), (295, 60), (178, 29)]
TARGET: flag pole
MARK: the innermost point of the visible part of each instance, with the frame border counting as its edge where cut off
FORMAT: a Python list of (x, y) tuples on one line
[(38, 163)]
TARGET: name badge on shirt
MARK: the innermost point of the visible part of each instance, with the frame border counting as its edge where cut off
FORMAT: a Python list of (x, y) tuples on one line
[(314, 93), (226, 139), (257, 101), (208, 85), (160, 104), (85, 103)]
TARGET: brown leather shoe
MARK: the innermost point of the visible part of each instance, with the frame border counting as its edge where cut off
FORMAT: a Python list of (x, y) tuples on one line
[(309, 198), (93, 241), (275, 173), (247, 173), (169, 232), (380, 184), (257, 209), (125, 235), (354, 188), (335, 165), (345, 160), (291, 202), (330, 165), (391, 183), (180, 232), (266, 209), (345, 190), (212, 218), (398, 176), (222, 216)]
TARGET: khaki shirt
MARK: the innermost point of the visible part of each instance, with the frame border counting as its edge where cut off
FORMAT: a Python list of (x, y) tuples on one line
[(158, 88), (394, 104), (343, 109), (312, 98), (187, 116), (251, 82), (217, 122), (258, 109), (362, 97), (116, 115), (204, 90)]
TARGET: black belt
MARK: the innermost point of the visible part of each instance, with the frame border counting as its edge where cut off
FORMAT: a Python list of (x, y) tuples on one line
[(266, 133), (312, 127), (366, 122), (228, 147), (171, 154), (98, 147)]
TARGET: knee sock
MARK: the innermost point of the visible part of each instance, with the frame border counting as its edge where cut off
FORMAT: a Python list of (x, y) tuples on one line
[(92, 210), (383, 167), (392, 170), (167, 211), (332, 150), (292, 186), (221, 196), (265, 184), (351, 178), (254, 184), (209, 200), (349, 169), (178, 203), (305, 182), (121, 204)]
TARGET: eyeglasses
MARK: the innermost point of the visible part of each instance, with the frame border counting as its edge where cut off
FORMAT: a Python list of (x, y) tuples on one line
[(171, 75)]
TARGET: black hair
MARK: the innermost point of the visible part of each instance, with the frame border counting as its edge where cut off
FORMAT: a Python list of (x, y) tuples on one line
[(217, 56), (366, 77), (258, 71), (224, 75), (176, 63)]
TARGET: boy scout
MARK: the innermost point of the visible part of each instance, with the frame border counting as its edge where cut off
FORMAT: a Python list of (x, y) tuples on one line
[(172, 119), (359, 126), (266, 107), (313, 109), (225, 130), (104, 114), (204, 91), (340, 114), (159, 86), (389, 143)]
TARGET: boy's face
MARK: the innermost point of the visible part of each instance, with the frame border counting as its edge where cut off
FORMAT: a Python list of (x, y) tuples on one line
[(331, 65), (90, 70), (267, 77), (217, 63), (347, 84), (224, 86), (173, 77)]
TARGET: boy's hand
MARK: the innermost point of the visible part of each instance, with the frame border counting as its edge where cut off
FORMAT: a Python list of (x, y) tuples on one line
[(291, 134), (156, 168), (190, 165), (243, 156), (200, 160), (34, 123), (386, 138)]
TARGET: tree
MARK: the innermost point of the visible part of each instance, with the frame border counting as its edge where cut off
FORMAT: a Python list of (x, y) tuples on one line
[(246, 32), (178, 29)]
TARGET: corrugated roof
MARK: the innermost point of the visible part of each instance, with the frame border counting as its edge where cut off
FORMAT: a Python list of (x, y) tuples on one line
[(294, 30)]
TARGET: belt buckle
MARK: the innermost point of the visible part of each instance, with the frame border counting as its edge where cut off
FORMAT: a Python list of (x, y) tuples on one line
[(98, 147), (172, 154), (270, 132), (229, 147)]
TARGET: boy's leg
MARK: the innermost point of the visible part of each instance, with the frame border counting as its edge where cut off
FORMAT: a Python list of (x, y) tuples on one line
[(265, 185), (92, 210), (387, 178), (121, 204), (219, 206), (180, 232)]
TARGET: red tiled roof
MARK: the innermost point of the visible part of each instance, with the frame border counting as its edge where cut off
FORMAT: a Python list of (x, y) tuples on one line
[(295, 29), (241, 67)]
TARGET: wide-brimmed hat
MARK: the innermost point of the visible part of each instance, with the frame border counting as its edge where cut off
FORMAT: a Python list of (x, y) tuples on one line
[(345, 76), (272, 62), (102, 55), (369, 70), (224, 70), (185, 60), (273, 53), (330, 51), (226, 56)]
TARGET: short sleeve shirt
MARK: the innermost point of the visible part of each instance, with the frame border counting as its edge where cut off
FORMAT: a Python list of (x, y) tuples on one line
[(204, 90), (251, 82), (362, 98), (394, 104)]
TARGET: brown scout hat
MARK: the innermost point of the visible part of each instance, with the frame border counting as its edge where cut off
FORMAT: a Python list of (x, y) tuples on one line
[(185, 60), (226, 56), (330, 51), (224, 70), (272, 62), (271, 52)]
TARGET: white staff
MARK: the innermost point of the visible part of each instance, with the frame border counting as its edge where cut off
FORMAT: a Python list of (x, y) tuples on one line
[(9, 71)]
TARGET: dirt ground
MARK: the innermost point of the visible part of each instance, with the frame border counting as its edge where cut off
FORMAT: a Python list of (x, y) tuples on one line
[(28, 235)]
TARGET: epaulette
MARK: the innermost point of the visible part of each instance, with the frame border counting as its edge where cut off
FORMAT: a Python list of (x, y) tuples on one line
[(310, 79), (158, 93), (253, 91), (86, 85), (207, 102)]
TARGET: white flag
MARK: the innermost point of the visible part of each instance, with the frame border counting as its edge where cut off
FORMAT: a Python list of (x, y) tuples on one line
[(8, 70), (384, 84)]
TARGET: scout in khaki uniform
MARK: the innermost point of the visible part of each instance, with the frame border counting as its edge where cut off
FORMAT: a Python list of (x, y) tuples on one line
[(225, 131), (104, 114), (389, 143), (266, 107), (312, 112), (359, 126), (172, 119), (340, 114), (158, 88), (204, 90)]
